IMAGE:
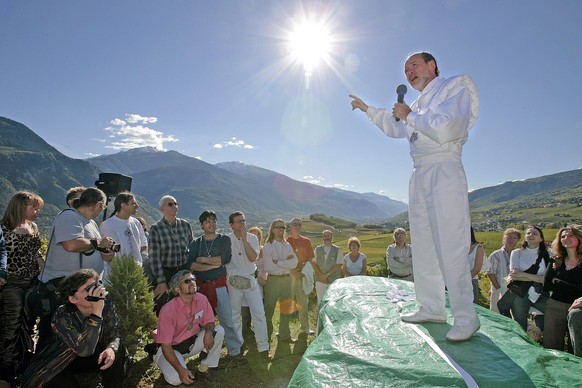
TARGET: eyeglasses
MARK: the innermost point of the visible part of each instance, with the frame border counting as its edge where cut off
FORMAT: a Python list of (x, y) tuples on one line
[(241, 221), (296, 224), (94, 285), (278, 227), (172, 204), (188, 281)]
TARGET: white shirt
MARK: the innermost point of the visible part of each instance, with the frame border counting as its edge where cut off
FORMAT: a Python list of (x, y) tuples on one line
[(429, 132), (239, 262), (279, 251)]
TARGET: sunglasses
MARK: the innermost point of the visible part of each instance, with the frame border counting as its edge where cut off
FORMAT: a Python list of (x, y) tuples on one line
[(278, 227), (172, 204), (188, 281)]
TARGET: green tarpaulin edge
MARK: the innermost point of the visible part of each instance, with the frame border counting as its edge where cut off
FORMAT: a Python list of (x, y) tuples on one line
[(362, 342)]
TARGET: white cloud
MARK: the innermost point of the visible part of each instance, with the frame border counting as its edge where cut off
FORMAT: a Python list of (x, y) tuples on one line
[(124, 136), (198, 157), (314, 180), (133, 118), (91, 154), (340, 186), (233, 142)]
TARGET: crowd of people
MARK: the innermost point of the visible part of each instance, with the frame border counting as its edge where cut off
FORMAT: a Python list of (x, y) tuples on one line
[(236, 278)]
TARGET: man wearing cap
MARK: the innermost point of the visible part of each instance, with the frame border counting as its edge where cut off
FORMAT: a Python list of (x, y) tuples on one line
[(185, 328)]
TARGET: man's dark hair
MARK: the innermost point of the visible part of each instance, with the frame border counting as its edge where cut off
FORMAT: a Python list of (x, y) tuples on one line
[(206, 214), (234, 214), (70, 284), (122, 198), (429, 57), (89, 196)]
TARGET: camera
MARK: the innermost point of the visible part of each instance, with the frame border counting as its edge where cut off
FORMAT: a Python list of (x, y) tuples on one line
[(115, 247)]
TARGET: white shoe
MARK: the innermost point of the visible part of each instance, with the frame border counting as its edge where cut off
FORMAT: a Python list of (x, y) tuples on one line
[(421, 316), (463, 333)]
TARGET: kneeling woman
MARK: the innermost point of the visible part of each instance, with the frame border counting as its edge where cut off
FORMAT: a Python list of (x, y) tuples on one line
[(87, 337), (564, 278)]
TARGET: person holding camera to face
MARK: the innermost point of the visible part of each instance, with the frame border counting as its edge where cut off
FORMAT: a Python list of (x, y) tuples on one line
[(87, 337), (75, 243)]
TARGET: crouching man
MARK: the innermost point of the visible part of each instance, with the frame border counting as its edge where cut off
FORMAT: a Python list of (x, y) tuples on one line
[(185, 328), (87, 337)]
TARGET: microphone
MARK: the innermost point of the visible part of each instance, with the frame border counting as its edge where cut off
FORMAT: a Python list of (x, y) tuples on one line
[(401, 91)]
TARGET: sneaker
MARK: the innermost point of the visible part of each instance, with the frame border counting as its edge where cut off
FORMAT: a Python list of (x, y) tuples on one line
[(421, 316), (309, 332), (463, 333)]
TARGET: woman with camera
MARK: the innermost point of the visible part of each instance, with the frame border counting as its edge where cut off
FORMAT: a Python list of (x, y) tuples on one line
[(75, 243), (527, 267), (87, 337), (564, 279), (23, 243)]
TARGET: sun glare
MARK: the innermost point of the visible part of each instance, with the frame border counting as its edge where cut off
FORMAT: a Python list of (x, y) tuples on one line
[(309, 44)]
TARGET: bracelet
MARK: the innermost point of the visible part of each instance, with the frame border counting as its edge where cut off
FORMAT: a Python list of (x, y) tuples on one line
[(94, 242)]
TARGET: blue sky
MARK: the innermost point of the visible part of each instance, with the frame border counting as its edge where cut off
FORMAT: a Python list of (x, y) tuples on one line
[(217, 80)]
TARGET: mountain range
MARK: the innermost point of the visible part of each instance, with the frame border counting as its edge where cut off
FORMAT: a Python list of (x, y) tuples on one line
[(27, 162)]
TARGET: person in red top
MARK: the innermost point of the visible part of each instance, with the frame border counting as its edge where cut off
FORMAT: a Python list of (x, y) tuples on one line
[(185, 328), (304, 251)]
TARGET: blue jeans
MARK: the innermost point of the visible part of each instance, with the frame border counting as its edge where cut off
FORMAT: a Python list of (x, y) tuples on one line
[(224, 312), (520, 308)]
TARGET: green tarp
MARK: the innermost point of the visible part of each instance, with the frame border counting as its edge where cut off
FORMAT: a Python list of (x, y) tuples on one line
[(361, 342)]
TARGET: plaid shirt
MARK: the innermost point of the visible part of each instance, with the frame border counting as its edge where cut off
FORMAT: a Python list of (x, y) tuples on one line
[(168, 246)]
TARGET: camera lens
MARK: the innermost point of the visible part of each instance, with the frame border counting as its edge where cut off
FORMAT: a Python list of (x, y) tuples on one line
[(116, 247)]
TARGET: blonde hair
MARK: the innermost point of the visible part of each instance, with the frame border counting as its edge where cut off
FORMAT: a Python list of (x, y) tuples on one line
[(354, 240)]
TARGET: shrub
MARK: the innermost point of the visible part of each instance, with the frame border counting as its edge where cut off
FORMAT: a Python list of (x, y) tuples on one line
[(133, 301)]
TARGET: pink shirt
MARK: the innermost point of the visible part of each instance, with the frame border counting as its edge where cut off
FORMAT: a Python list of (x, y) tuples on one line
[(175, 318)]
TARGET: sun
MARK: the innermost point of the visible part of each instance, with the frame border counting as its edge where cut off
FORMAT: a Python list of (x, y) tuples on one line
[(309, 44)]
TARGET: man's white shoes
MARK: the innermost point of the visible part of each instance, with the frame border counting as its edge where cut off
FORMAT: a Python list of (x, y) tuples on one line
[(463, 333), (421, 316)]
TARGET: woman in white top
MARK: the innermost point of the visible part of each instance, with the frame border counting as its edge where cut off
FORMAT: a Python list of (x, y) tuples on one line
[(475, 257), (354, 262), (533, 249)]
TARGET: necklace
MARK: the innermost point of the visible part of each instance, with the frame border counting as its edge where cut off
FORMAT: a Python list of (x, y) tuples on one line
[(569, 267), (291, 242), (236, 243), (190, 317), (208, 250)]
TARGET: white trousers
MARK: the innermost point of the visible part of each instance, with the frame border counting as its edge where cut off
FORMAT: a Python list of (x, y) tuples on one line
[(440, 231), (320, 289), (171, 375), (254, 299), (496, 294)]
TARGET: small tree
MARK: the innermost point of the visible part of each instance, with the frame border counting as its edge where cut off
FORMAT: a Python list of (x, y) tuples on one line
[(133, 299)]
